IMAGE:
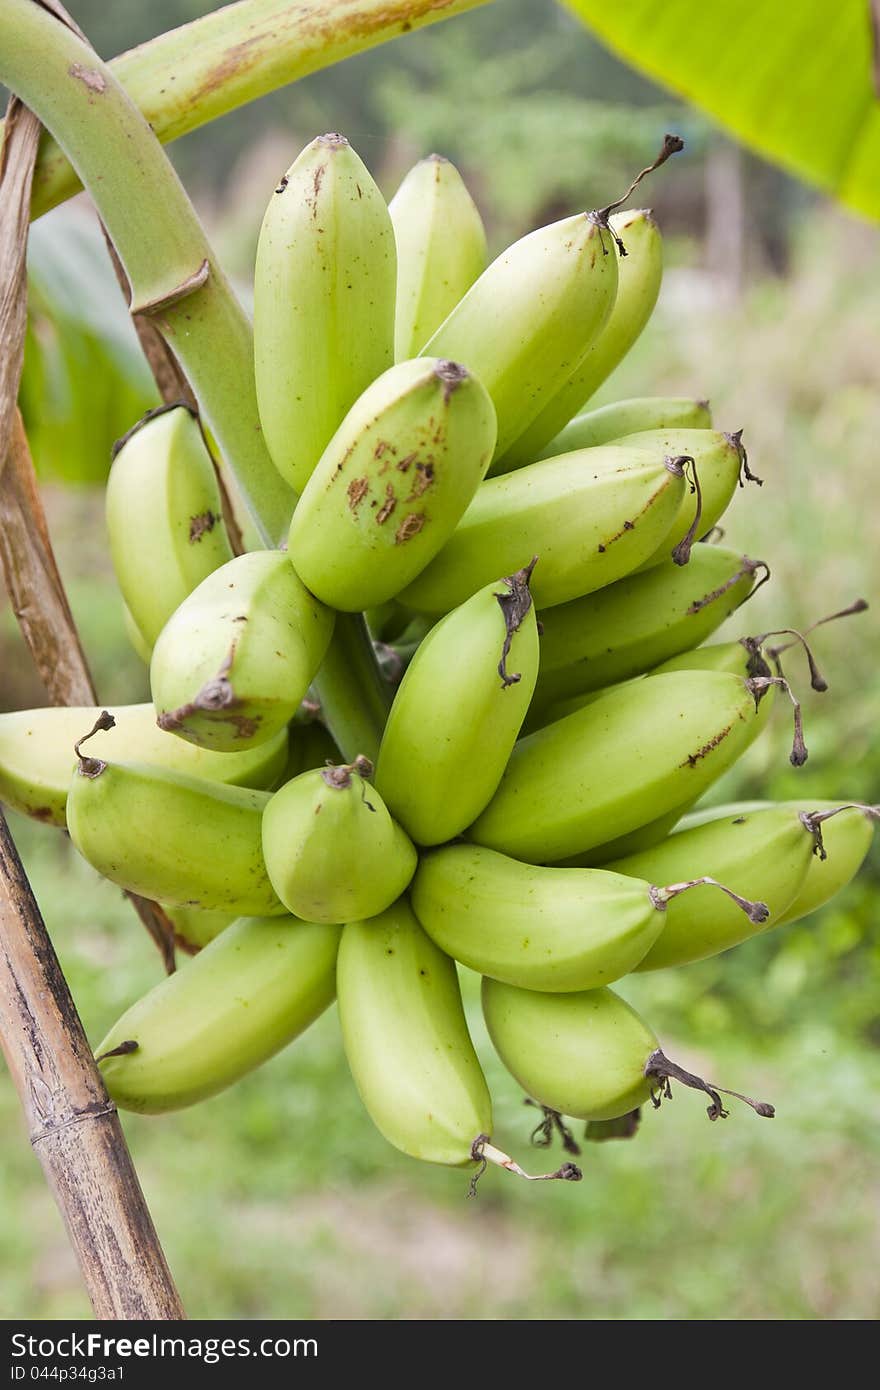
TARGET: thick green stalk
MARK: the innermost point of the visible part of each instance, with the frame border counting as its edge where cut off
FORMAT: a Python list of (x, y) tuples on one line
[(171, 268), (355, 697), (191, 75)]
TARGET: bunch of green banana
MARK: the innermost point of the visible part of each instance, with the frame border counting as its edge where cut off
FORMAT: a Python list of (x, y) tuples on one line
[(249, 993), (393, 483), (437, 770), (234, 661), (332, 851), (164, 517), (37, 758), (324, 291), (540, 738), (591, 517), (170, 837), (441, 250), (554, 930)]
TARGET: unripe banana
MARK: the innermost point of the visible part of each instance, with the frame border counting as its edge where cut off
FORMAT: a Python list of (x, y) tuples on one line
[(164, 516), (638, 284), (172, 838), (531, 318), (407, 1041), (846, 837), (248, 994), (332, 850), (588, 1055), (393, 483), (458, 711), (631, 626), (580, 1054), (37, 758), (234, 661), (441, 250), (721, 465), (731, 657), (608, 423), (549, 929), (590, 517), (195, 929), (765, 854), (636, 754), (324, 293), (139, 643)]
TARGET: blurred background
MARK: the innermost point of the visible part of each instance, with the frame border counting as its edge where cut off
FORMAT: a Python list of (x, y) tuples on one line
[(278, 1199)]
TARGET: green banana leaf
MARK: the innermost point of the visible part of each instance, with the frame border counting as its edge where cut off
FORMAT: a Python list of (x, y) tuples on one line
[(793, 79)]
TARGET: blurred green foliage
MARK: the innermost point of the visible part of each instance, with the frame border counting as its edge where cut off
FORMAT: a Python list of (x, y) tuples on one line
[(85, 379)]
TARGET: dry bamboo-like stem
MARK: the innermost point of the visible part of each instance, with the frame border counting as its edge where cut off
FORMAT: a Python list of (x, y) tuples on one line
[(73, 1125)]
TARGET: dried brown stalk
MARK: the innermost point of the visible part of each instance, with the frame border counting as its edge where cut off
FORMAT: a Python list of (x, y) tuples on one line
[(73, 1125)]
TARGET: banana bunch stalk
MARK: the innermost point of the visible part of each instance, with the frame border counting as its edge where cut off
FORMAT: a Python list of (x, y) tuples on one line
[(503, 588)]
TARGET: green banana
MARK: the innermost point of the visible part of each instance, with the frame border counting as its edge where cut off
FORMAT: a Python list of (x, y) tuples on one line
[(407, 1041), (324, 291), (164, 516), (194, 928), (233, 662), (581, 1054), (627, 628), (639, 272), (393, 483), (735, 658), (721, 465), (524, 326), (458, 711), (591, 517), (171, 838), (846, 833), (608, 423), (37, 758), (332, 851), (139, 643), (765, 854), (441, 250), (610, 768), (588, 1055), (244, 997), (542, 928)]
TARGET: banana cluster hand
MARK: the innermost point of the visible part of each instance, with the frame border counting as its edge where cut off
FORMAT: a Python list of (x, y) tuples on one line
[(537, 582)]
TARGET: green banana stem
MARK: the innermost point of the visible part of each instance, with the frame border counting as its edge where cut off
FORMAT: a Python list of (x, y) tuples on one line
[(171, 268), (193, 74), (355, 697)]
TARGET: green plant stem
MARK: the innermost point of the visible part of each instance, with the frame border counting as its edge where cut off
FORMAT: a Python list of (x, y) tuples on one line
[(191, 75), (353, 693), (171, 268)]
